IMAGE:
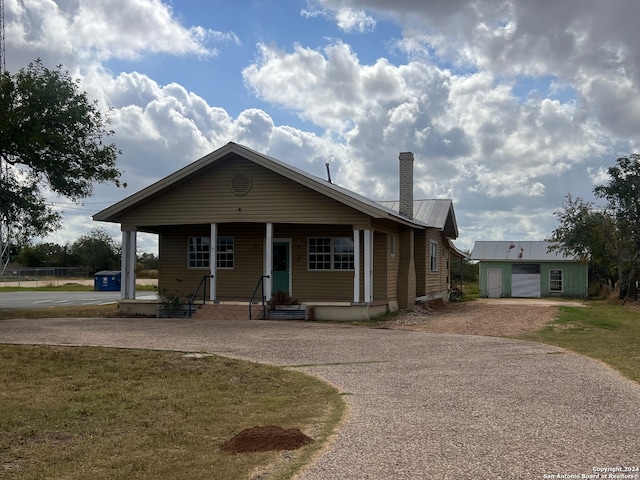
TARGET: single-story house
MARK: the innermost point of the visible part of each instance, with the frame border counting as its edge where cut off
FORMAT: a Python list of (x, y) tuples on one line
[(260, 219), (528, 269)]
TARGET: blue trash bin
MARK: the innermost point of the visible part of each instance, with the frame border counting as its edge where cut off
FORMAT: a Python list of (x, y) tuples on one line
[(107, 280)]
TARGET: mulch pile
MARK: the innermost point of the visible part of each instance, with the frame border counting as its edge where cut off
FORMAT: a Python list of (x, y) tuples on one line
[(262, 439)]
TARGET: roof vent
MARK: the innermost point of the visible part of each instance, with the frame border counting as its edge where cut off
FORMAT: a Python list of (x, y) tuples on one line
[(241, 184)]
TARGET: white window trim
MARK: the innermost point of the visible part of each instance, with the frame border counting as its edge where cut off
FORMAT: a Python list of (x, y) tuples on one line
[(233, 252), (561, 280), (333, 254), (205, 265), (208, 262)]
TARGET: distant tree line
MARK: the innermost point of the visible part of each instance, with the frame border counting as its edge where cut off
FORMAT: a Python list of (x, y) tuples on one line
[(95, 251), (608, 236)]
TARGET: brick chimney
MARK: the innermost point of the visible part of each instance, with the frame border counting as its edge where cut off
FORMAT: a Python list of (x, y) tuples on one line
[(406, 184)]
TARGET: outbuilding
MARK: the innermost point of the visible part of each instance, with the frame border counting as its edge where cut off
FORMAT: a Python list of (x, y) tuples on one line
[(528, 269)]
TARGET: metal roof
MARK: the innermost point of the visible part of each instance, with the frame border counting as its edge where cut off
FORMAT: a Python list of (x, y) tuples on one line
[(435, 213), (519, 251)]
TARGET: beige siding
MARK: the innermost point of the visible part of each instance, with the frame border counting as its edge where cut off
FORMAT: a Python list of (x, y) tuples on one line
[(422, 262), (315, 285), (392, 268), (208, 198), (436, 283), (238, 283), (174, 276), (380, 256), (307, 285), (390, 229)]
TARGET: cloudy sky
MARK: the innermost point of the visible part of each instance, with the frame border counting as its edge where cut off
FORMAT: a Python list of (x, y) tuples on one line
[(508, 105)]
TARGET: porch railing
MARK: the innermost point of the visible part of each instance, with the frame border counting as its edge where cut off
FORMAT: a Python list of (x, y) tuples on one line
[(260, 284), (203, 285)]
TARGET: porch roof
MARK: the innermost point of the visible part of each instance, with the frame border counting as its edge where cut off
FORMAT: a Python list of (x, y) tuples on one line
[(115, 212)]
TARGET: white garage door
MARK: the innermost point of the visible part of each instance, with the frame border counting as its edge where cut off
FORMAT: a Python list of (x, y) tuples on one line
[(525, 280)]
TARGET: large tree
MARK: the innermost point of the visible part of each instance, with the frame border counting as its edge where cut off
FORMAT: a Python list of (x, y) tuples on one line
[(97, 251), (623, 196), (589, 233), (52, 139)]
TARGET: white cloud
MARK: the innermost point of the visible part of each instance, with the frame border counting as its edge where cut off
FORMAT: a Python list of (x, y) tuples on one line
[(347, 19), (599, 175), (75, 32), (472, 129)]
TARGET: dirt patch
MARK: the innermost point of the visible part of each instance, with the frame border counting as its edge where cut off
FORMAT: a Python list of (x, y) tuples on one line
[(263, 439), (476, 318)]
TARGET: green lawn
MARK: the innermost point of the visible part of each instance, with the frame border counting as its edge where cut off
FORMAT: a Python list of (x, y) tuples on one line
[(603, 330), (78, 413)]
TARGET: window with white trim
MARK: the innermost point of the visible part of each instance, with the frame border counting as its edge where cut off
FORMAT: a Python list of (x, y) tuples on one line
[(330, 253), (433, 256), (199, 252), (224, 250), (555, 280)]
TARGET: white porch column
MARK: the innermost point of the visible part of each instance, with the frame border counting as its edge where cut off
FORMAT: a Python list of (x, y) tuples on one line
[(128, 265), (356, 266), (268, 260), (213, 262), (368, 266)]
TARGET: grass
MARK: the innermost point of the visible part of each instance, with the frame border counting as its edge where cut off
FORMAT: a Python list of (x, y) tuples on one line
[(603, 330), (78, 413), (84, 311)]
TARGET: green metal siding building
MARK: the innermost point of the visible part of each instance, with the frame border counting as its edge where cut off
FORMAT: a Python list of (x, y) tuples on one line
[(528, 269)]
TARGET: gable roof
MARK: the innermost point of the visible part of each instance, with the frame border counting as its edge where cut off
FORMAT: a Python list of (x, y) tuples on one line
[(522, 251), (340, 194), (435, 213)]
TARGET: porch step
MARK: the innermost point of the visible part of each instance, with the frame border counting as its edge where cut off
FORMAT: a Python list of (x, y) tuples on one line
[(224, 311)]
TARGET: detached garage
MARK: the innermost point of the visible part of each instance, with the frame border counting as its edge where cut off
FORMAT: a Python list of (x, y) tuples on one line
[(528, 269)]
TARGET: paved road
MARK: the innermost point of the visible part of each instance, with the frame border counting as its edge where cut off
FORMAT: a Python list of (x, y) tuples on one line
[(32, 299), (422, 406)]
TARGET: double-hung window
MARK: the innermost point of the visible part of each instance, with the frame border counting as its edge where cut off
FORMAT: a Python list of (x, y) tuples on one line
[(555, 281), (224, 247), (433, 256), (330, 253), (199, 252)]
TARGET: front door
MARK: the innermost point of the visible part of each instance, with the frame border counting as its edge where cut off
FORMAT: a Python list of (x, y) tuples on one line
[(494, 283), (281, 276)]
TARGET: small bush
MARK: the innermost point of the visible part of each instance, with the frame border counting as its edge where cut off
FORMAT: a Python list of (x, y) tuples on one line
[(282, 298)]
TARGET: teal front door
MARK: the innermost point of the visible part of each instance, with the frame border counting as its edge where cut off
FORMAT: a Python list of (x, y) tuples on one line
[(280, 274)]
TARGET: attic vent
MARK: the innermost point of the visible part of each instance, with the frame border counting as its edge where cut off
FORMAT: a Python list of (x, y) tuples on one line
[(240, 184)]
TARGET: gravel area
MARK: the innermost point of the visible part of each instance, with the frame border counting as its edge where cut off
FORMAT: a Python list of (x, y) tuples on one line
[(481, 317)]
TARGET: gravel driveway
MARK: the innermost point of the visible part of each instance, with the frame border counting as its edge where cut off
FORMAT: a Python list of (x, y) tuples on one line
[(422, 405)]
